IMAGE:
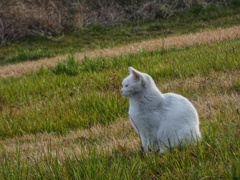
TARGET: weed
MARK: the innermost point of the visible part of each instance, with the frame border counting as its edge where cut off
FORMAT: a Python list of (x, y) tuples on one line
[(70, 67), (28, 55)]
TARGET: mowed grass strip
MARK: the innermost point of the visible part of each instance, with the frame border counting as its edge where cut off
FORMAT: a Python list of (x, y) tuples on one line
[(132, 48)]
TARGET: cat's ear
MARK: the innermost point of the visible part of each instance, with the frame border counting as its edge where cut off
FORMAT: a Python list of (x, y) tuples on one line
[(133, 71), (130, 70), (136, 74)]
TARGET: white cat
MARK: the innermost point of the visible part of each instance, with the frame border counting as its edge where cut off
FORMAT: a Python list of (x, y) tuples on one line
[(161, 120)]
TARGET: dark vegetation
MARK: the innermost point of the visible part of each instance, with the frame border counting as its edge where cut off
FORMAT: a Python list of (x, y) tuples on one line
[(20, 18)]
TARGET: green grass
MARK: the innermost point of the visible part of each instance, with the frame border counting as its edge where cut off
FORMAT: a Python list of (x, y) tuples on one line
[(76, 95), (69, 67), (213, 161), (98, 36), (27, 55), (79, 95)]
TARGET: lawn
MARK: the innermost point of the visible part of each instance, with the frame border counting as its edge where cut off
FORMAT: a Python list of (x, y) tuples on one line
[(70, 121)]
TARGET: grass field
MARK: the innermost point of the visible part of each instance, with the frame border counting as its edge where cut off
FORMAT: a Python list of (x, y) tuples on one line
[(70, 122)]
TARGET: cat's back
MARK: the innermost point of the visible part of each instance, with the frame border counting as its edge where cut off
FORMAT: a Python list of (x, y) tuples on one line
[(175, 99), (180, 107)]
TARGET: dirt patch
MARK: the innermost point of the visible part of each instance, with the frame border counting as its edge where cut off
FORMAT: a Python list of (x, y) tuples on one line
[(134, 48)]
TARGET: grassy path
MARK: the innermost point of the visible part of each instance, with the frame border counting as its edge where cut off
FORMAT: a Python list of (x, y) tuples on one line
[(134, 48)]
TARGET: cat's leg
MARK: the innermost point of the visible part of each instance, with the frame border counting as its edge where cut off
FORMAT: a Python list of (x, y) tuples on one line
[(154, 145), (145, 143), (163, 148)]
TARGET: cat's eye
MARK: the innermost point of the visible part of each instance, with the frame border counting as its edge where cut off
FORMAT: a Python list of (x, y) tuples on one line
[(126, 85)]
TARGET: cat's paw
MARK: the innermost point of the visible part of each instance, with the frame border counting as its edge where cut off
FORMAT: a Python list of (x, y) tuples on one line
[(145, 150)]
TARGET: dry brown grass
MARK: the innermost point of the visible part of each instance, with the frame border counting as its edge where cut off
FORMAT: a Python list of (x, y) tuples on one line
[(20, 18), (134, 48), (214, 95), (23, 18), (120, 135)]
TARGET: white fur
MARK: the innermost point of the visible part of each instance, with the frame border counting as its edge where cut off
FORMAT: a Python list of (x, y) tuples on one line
[(161, 120)]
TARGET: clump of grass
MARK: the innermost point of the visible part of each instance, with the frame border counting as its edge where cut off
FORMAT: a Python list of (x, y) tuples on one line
[(69, 67), (28, 55), (234, 3)]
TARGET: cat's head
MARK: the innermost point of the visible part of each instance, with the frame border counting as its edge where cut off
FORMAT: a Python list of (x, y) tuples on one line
[(134, 83)]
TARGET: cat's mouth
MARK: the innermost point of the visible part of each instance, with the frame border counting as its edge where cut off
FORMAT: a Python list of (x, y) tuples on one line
[(125, 95), (129, 95)]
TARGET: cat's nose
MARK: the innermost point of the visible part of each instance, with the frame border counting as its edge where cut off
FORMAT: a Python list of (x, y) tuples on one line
[(121, 91)]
